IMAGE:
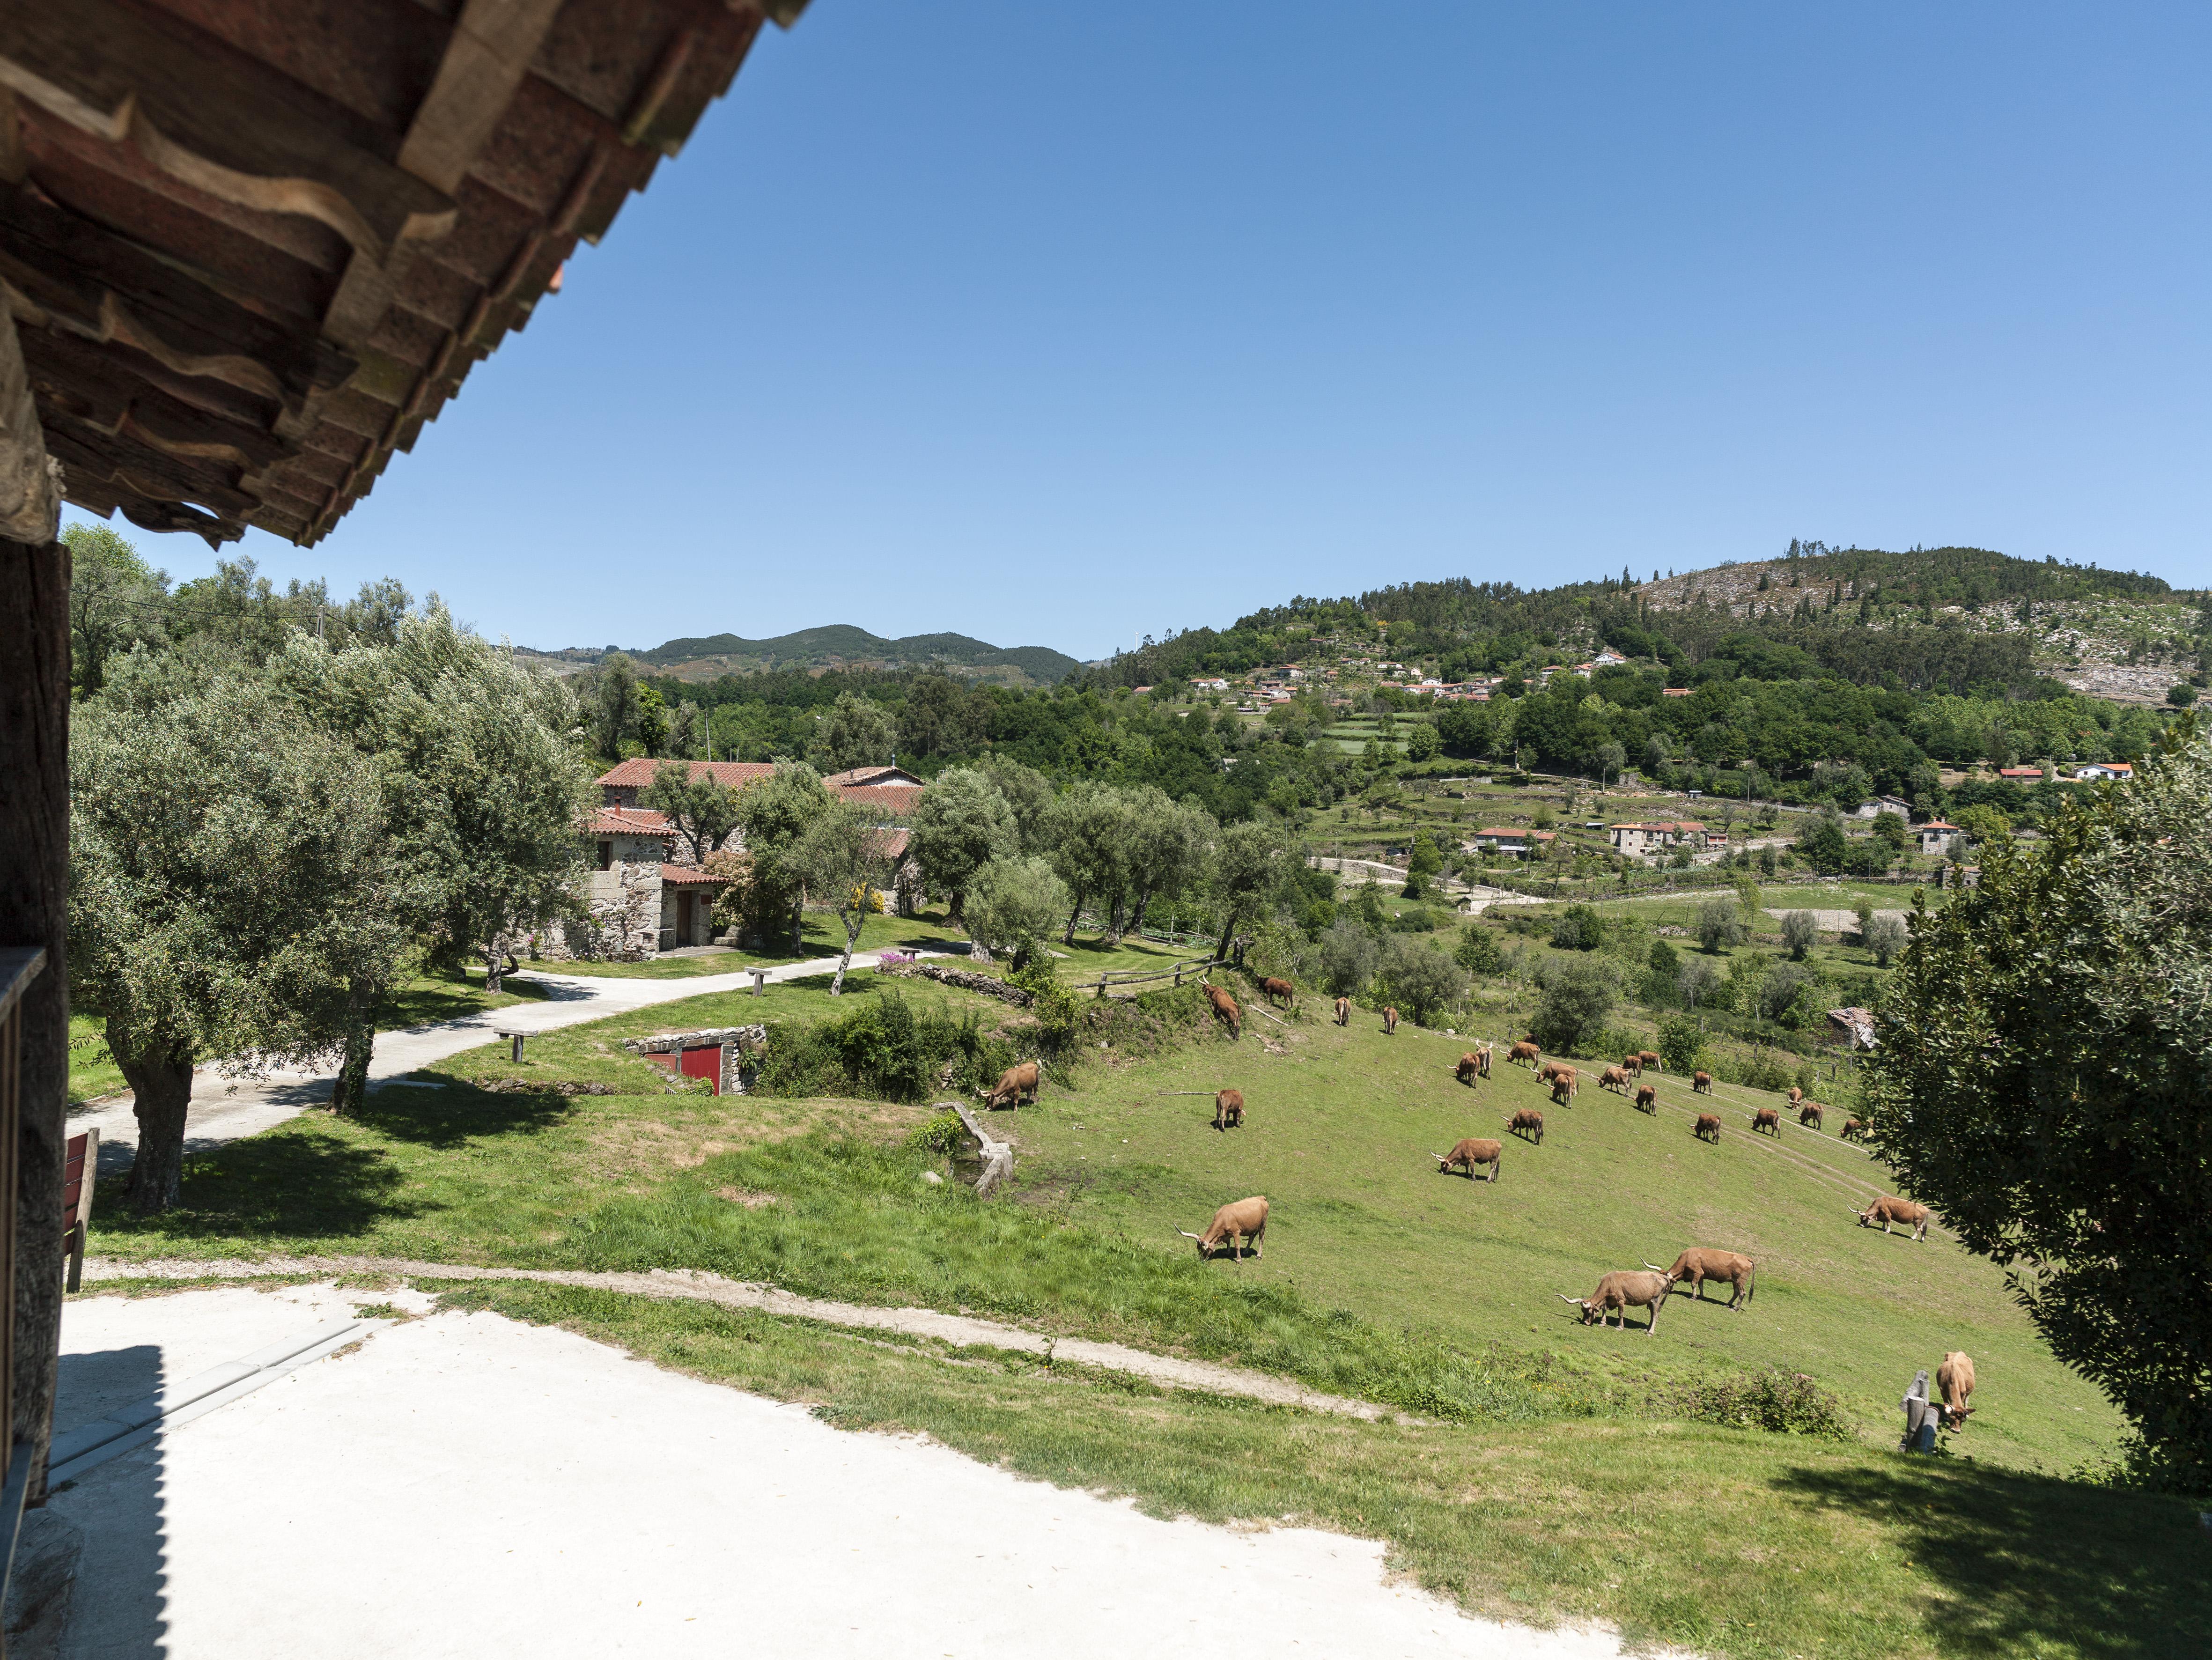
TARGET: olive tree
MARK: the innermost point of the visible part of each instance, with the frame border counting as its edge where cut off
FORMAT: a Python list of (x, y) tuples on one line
[(2044, 1063), (845, 857), (1012, 904), (1166, 848), (1348, 955), (1421, 976), (961, 824), (1885, 936), (773, 816), (700, 808), (1090, 848), (1249, 861), (1800, 928), (1720, 924), (234, 884), (1579, 993)]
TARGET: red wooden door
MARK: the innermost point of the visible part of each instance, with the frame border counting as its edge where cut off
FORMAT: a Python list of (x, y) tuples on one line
[(705, 1062)]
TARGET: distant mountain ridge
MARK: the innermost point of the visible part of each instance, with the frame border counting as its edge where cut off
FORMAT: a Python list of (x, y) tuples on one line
[(842, 646)]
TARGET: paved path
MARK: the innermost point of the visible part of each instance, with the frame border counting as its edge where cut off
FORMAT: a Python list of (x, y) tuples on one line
[(466, 1485), (225, 1109), (691, 1285)]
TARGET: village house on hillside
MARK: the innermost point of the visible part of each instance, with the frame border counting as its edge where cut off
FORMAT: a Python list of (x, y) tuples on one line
[(1638, 841), (1937, 838), (1518, 843), (2104, 769), (644, 890)]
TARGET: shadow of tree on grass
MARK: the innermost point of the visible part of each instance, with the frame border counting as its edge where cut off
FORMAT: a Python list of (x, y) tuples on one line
[(2032, 1565), (299, 1181), (452, 1115)]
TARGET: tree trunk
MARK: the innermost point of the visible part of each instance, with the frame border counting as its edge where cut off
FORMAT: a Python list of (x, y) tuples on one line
[(493, 969), (161, 1081), (1114, 914), (860, 917), (1068, 938), (956, 914), (1221, 952), (1144, 903), (351, 1092)]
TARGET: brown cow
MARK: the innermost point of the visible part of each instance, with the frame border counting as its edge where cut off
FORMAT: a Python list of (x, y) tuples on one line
[(1389, 1021), (1563, 1090), (1470, 1151), (1225, 1007), (1697, 1265), (1701, 1083), (1229, 1110), (1613, 1077), (1014, 1084), (1905, 1211), (1708, 1127), (1854, 1130), (1469, 1068), (1809, 1114), (1528, 1121), (1796, 1095), (1955, 1379), (1282, 989), (1620, 1290), (1344, 1011), (1632, 1065), (1769, 1119), (1482, 1060), (1242, 1219), (1523, 1054), (1650, 1059), (1646, 1099)]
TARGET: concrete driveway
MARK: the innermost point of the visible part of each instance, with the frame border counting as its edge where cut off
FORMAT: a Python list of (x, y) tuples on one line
[(467, 1485)]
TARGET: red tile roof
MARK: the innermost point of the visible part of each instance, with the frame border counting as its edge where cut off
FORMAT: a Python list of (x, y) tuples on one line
[(873, 777), (897, 800), (682, 875), (627, 821), (637, 773)]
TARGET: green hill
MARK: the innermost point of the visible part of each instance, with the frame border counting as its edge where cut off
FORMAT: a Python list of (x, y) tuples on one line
[(840, 645)]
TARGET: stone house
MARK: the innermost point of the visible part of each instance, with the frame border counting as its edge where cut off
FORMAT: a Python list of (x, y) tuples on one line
[(1518, 843), (1938, 838), (1658, 838)]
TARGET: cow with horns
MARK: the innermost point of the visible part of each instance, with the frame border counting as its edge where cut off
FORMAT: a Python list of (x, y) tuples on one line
[(1622, 1291), (1697, 1265), (1235, 1222), (1470, 1151)]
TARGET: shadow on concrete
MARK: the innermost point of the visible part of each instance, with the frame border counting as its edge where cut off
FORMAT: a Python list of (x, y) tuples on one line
[(103, 1531), (2033, 1564)]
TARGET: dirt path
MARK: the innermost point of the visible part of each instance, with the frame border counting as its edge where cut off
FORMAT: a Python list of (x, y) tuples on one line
[(690, 1284)]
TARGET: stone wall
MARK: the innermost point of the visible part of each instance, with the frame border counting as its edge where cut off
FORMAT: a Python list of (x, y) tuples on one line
[(742, 1049)]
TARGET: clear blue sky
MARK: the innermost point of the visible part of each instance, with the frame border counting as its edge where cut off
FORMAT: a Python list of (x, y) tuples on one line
[(1053, 324)]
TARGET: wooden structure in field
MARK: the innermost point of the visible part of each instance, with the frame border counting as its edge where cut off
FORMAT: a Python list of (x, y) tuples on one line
[(248, 248)]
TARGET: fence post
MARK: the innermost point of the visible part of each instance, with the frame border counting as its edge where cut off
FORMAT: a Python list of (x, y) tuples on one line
[(1920, 1420)]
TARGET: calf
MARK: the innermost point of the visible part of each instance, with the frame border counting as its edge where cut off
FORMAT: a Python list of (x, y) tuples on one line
[(1650, 1059), (1955, 1379), (1768, 1120), (1014, 1083), (1242, 1220), (1471, 1150), (1523, 1054), (1469, 1068), (1530, 1122), (1646, 1099), (1224, 1005), (1906, 1213), (1697, 1265), (1708, 1127), (1796, 1095), (1389, 1021), (1632, 1065), (1229, 1110), (1620, 1290), (1563, 1090), (1809, 1115), (1613, 1077), (1854, 1130), (1283, 989), (1701, 1083), (1344, 1011)]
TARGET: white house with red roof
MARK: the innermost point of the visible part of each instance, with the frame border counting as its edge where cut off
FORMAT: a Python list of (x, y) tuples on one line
[(2096, 770), (1642, 839)]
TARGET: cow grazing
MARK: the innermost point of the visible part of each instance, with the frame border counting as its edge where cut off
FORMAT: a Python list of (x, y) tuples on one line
[(1796, 1095), (1650, 1059), (1708, 1127), (1482, 1060), (1701, 1083), (1344, 1011), (1225, 1007), (1389, 1022), (1563, 1090), (1523, 1054), (1632, 1065), (1242, 1220), (1014, 1084), (1646, 1099), (1613, 1077), (1469, 1068), (1279, 989), (1768, 1120), (1854, 1130), (1809, 1115), (1622, 1291), (1697, 1265), (1470, 1151), (1906, 1213), (1955, 1379), (1229, 1110), (1530, 1122)]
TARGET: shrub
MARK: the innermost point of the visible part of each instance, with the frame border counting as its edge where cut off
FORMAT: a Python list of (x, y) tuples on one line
[(1578, 928), (1578, 998), (1054, 1007), (940, 1134), (1720, 924), (1422, 978), (1771, 1399), (881, 1047), (1478, 951), (1682, 1045)]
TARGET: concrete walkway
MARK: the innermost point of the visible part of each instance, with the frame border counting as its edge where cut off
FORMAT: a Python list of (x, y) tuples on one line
[(225, 1109), (468, 1485)]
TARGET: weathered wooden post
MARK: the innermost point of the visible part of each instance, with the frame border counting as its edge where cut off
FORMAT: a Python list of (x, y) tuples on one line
[(760, 980), (1920, 1418), (515, 1039)]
